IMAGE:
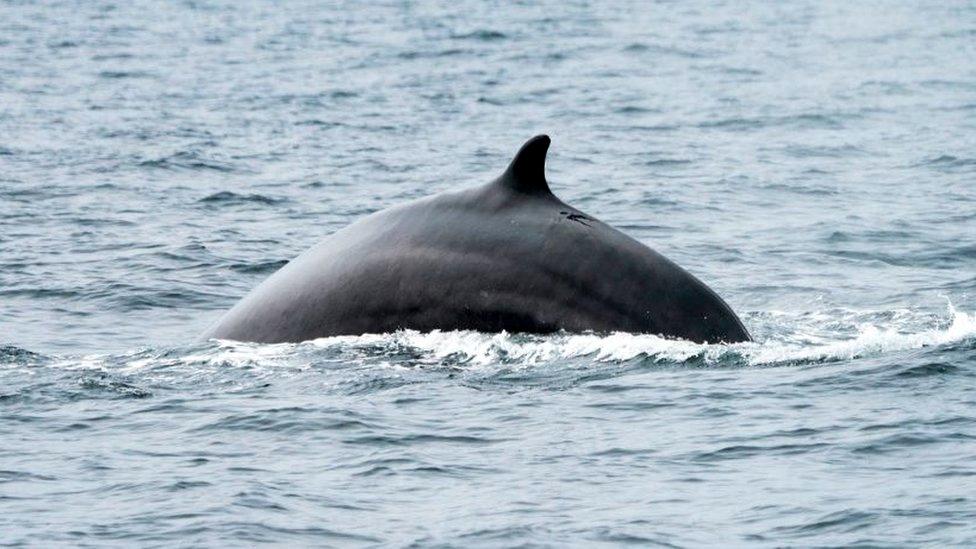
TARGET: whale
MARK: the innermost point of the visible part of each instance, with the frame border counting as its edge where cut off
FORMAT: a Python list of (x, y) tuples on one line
[(504, 256)]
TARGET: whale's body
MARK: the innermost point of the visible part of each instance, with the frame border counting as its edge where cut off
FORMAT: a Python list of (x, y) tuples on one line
[(505, 256)]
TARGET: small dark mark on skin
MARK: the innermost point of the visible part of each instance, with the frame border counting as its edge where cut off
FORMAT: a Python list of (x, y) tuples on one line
[(581, 219)]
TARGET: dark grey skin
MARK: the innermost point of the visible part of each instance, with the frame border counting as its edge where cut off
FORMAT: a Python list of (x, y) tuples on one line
[(505, 256)]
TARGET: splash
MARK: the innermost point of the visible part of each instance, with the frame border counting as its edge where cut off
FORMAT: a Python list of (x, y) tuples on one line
[(801, 342), (870, 340), (814, 337)]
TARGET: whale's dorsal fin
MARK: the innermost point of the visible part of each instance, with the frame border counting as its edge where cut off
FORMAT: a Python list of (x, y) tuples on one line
[(527, 172)]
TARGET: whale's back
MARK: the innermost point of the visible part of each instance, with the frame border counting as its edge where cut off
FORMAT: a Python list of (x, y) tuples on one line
[(506, 256)]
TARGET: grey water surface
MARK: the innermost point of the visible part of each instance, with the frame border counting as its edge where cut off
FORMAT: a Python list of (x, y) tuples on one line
[(813, 162)]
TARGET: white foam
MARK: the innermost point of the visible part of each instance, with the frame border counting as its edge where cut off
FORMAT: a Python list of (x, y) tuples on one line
[(870, 340), (800, 339), (478, 348)]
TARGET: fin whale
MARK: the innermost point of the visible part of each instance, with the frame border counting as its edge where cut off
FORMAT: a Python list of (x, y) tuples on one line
[(508, 256)]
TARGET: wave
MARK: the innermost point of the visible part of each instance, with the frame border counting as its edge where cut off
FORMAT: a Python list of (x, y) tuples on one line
[(10, 354), (482, 35), (948, 163), (870, 340), (804, 346), (191, 161), (229, 197), (814, 338)]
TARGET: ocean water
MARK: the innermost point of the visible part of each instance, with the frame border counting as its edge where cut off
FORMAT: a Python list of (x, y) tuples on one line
[(813, 162)]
